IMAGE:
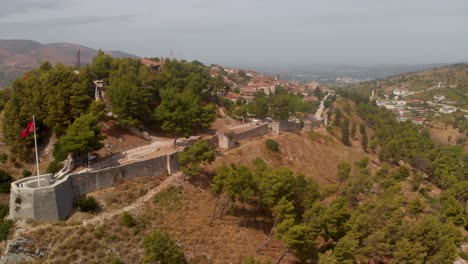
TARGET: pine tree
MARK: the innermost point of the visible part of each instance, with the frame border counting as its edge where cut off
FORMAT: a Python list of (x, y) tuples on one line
[(182, 113), (82, 136)]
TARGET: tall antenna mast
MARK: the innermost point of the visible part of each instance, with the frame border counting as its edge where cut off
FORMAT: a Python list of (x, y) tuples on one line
[(78, 62)]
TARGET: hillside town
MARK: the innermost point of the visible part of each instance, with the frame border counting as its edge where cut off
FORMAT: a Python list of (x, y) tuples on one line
[(405, 107)]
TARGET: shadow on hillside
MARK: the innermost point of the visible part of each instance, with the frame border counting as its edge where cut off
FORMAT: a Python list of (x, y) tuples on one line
[(247, 217), (108, 161), (203, 180)]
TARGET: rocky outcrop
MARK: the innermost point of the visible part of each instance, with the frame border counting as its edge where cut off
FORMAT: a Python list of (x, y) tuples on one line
[(18, 251)]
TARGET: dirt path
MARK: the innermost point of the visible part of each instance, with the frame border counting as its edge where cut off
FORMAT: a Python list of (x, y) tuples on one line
[(170, 180), (22, 227), (318, 114)]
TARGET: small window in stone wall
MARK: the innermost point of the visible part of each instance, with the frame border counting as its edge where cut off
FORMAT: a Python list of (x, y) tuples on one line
[(18, 201)]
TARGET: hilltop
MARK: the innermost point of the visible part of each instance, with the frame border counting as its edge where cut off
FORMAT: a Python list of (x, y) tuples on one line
[(20, 56), (449, 81), (251, 189)]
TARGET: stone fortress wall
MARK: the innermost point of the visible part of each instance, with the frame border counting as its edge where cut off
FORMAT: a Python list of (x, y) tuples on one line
[(55, 198)]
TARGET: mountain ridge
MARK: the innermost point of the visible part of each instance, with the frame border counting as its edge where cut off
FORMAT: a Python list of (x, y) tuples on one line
[(18, 56)]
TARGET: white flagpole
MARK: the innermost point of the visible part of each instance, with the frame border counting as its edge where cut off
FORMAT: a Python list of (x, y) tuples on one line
[(37, 156)]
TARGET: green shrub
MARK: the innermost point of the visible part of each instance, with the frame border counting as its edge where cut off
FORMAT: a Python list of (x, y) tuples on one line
[(160, 248), (88, 204), (59, 153), (26, 173), (169, 198), (99, 232), (272, 145), (3, 211), (54, 167), (127, 220), (5, 181), (5, 226), (401, 173), (116, 261), (252, 260), (3, 158)]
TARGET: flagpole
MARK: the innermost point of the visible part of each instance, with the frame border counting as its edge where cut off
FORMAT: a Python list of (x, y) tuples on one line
[(37, 156)]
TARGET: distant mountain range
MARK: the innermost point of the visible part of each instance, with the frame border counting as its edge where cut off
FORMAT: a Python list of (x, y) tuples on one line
[(19, 56)]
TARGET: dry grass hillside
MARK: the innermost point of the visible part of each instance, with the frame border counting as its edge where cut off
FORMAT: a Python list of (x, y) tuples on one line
[(185, 211), (314, 154), (446, 135)]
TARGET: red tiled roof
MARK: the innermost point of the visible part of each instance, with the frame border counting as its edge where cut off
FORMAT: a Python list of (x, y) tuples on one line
[(150, 62), (231, 96)]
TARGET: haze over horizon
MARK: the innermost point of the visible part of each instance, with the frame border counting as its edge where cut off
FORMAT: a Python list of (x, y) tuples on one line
[(257, 33)]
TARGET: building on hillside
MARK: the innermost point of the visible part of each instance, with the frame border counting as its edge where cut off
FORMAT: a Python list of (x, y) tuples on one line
[(311, 99), (439, 98), (153, 65), (232, 96), (416, 101), (441, 85), (447, 109), (98, 89), (402, 118), (418, 121), (400, 92), (215, 71)]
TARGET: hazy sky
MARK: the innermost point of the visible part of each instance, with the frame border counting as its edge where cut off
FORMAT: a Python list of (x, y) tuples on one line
[(252, 32)]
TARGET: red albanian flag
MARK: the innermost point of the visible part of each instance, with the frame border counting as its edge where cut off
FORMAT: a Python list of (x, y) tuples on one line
[(29, 128)]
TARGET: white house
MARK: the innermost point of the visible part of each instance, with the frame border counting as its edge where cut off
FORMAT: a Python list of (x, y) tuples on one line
[(447, 109), (400, 92), (439, 98)]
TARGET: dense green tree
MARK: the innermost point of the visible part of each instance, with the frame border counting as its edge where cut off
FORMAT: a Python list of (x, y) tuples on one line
[(182, 113), (102, 65), (439, 240), (298, 239), (5, 181), (275, 184), (82, 136), (407, 252), (346, 249), (327, 258), (280, 107), (261, 108), (182, 76), (98, 110), (192, 158), (345, 133), (343, 170), (334, 219), (160, 248), (5, 94), (401, 173), (55, 95), (353, 130), (132, 92), (231, 183), (364, 139), (236, 182), (453, 211)]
